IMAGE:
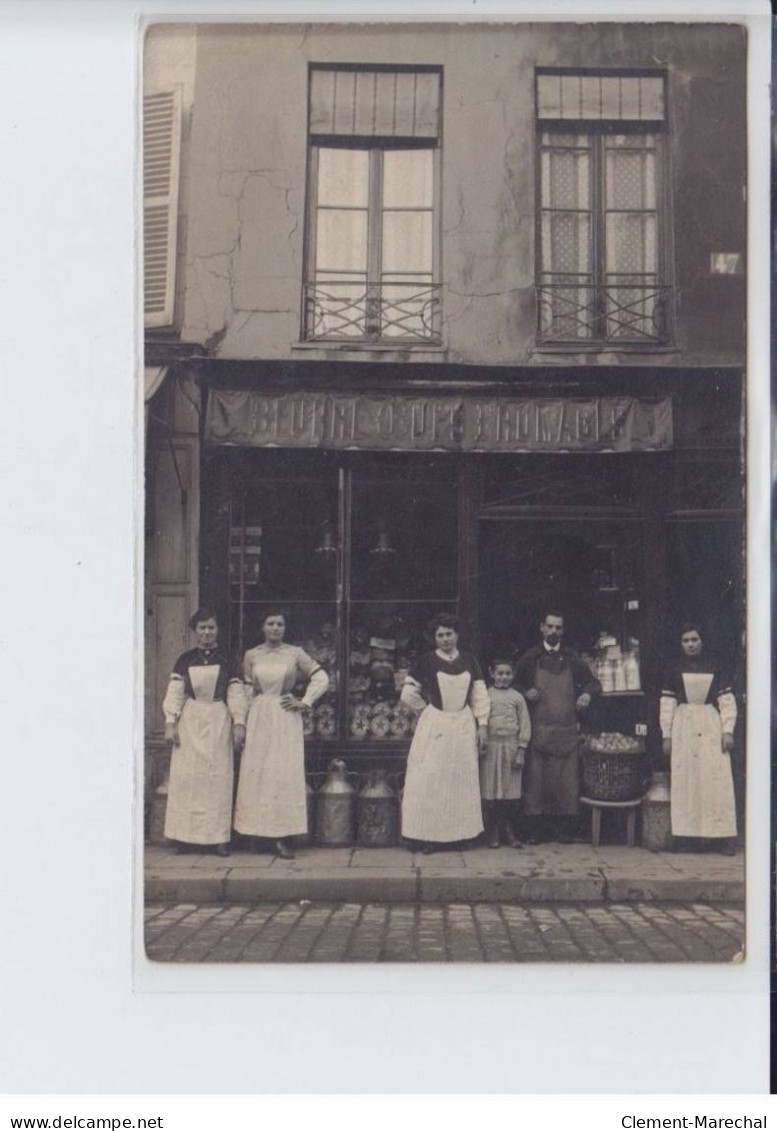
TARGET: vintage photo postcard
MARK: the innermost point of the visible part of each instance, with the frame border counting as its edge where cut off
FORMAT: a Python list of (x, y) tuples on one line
[(444, 349)]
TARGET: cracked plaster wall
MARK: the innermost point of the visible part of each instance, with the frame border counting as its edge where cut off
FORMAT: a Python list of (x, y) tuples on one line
[(245, 240)]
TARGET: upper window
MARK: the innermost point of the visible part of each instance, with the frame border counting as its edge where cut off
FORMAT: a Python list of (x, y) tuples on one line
[(372, 239), (602, 255)]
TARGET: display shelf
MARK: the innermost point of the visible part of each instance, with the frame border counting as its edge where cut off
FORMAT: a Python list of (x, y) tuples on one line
[(403, 601), (271, 600)]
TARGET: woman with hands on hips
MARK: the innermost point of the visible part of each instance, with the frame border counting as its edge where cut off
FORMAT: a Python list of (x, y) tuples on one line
[(271, 799)]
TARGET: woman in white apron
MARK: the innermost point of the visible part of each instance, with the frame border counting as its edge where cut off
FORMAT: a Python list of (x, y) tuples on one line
[(441, 800), (271, 798), (204, 698), (698, 714)]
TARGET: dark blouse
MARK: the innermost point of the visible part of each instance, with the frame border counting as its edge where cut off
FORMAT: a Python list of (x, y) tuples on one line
[(197, 658), (674, 684), (428, 668)]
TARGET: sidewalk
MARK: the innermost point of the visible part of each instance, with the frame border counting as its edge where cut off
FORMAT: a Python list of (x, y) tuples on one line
[(552, 873)]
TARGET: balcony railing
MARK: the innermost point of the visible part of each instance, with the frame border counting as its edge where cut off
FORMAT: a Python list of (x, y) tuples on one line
[(623, 313), (352, 310)]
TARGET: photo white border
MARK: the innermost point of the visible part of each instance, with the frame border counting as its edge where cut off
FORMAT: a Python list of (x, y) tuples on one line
[(91, 1022)]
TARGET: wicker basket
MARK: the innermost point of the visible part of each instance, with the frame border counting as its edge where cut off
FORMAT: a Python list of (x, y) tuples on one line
[(613, 775)]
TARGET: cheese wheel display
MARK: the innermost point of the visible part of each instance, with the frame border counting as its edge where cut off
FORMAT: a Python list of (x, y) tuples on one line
[(325, 721), (401, 722), (360, 722), (380, 725)]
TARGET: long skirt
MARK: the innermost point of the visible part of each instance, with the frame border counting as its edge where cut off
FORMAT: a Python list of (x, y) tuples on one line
[(199, 799), (500, 779), (702, 786), (271, 787), (441, 801)]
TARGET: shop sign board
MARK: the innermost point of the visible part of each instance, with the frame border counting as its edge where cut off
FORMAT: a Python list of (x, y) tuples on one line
[(363, 421)]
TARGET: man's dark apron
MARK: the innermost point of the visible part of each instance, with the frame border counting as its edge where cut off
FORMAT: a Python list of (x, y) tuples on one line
[(552, 768)]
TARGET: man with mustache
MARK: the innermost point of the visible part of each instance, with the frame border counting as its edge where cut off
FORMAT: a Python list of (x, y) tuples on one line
[(556, 684)]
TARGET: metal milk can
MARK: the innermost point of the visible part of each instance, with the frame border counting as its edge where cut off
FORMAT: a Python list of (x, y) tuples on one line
[(377, 812), (336, 807), (656, 815)]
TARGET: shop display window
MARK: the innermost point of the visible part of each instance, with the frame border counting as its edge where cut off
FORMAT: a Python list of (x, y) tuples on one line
[(283, 540), (403, 570), (403, 540), (361, 553)]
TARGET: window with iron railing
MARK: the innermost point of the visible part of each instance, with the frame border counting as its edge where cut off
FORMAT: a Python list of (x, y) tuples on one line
[(373, 213), (602, 216)]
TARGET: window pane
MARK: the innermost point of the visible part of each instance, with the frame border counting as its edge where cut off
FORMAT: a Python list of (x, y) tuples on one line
[(403, 541), (548, 96), (322, 102), (341, 241), (631, 243), (407, 241), (386, 103), (427, 105), (591, 96), (631, 179), (596, 97), (408, 178), (566, 243), (364, 109), (571, 95), (652, 98), (631, 141), (566, 141), (630, 98), (611, 97), (345, 101), (343, 177), (565, 179), (278, 549)]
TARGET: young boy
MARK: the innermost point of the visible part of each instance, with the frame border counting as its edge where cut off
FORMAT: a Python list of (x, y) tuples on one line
[(501, 766)]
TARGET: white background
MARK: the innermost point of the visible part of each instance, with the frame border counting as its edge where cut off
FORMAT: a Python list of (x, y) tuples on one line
[(74, 1016)]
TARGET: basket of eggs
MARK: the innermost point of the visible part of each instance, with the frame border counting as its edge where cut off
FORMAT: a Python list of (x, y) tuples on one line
[(613, 767)]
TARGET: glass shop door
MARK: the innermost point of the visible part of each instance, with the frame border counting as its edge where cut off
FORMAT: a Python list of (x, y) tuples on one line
[(591, 570)]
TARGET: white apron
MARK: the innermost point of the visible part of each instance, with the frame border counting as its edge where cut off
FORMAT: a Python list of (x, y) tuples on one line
[(271, 799), (199, 799), (441, 801), (702, 785)]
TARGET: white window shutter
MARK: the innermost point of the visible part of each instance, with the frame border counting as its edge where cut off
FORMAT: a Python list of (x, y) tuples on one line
[(161, 175)]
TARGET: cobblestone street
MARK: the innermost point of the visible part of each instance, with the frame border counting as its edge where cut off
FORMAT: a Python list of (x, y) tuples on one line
[(452, 932)]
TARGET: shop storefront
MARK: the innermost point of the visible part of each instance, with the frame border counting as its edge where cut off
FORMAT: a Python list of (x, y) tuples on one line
[(362, 515)]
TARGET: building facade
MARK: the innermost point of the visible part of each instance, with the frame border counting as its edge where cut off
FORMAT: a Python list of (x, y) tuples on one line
[(444, 318)]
